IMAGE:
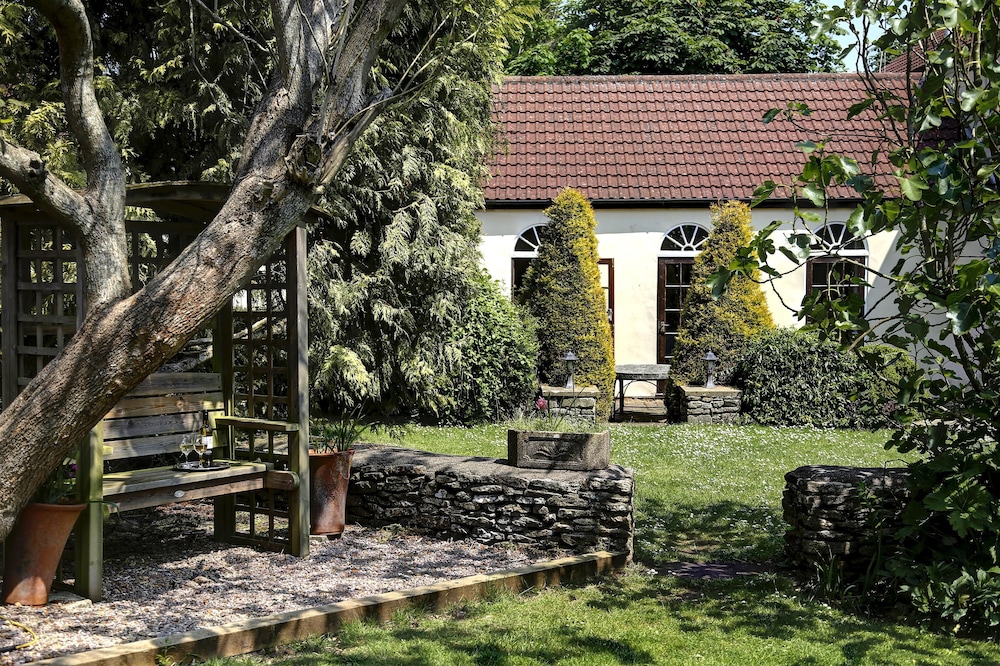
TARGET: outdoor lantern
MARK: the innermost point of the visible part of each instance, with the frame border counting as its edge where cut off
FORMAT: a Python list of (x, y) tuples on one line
[(570, 359), (710, 360)]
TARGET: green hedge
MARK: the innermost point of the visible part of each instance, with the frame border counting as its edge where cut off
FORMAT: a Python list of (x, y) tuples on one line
[(793, 378), (495, 374)]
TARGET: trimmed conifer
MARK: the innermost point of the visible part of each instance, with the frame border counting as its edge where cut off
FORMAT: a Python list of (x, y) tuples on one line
[(562, 290), (725, 326)]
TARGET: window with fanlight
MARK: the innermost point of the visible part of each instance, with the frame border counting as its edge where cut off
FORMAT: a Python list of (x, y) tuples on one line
[(838, 263), (526, 249), (678, 248)]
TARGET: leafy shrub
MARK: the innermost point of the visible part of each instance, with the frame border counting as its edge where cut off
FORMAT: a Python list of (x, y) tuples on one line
[(948, 563), (792, 377), (562, 290), (495, 374), (721, 326)]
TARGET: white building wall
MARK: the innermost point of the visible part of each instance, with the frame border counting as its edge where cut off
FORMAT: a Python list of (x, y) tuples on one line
[(632, 238)]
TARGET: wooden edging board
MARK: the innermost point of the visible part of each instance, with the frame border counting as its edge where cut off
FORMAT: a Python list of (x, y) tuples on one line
[(258, 633)]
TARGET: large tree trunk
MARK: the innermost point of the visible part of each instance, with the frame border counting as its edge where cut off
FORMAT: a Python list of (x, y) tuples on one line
[(316, 98)]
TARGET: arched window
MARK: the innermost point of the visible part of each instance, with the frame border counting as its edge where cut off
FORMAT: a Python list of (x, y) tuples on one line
[(684, 239), (526, 249), (838, 261), (680, 245)]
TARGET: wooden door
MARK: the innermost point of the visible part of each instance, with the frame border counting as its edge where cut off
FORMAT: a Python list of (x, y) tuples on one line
[(607, 268), (673, 282)]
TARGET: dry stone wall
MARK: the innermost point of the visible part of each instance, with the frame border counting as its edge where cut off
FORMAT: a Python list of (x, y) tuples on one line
[(490, 501), (841, 513), (720, 404)]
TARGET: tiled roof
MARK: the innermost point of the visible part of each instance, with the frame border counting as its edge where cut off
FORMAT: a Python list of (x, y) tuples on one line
[(667, 138)]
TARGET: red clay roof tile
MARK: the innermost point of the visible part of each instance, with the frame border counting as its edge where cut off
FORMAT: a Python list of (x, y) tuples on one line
[(688, 137)]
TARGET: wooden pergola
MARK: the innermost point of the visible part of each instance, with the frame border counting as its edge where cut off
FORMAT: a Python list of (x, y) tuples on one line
[(259, 344)]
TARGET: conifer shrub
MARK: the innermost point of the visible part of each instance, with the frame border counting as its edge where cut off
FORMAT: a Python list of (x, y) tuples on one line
[(562, 290), (498, 351), (725, 326), (793, 378)]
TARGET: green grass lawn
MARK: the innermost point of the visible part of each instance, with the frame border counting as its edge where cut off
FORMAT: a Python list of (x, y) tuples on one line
[(703, 493)]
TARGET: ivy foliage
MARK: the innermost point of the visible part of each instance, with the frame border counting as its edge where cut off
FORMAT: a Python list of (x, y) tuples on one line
[(723, 326), (940, 137), (562, 290), (674, 37)]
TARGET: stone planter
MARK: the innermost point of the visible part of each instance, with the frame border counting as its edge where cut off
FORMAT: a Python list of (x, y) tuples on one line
[(329, 477), (579, 451), (33, 551)]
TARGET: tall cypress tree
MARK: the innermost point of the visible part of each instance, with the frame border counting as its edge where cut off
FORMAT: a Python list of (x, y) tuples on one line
[(562, 289), (724, 326)]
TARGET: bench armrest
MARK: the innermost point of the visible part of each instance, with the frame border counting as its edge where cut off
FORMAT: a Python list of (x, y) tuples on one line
[(244, 423)]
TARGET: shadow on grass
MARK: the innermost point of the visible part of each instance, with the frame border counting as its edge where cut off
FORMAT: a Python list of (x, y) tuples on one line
[(723, 531), (771, 608), (460, 642)]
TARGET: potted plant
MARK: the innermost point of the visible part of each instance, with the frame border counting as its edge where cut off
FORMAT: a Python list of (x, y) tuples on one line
[(35, 545), (552, 439), (330, 455)]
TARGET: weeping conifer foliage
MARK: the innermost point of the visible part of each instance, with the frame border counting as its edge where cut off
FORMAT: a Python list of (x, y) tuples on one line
[(399, 275)]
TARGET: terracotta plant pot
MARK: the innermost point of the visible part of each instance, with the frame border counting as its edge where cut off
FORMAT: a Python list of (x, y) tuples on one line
[(329, 475), (33, 551)]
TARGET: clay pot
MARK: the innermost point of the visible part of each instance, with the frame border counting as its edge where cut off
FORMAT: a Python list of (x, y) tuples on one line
[(329, 475), (33, 551)]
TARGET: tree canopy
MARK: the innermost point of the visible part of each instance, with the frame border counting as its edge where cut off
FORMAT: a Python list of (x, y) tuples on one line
[(674, 37)]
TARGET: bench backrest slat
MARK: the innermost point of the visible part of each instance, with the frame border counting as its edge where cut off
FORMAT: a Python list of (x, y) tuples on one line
[(154, 417), (164, 404)]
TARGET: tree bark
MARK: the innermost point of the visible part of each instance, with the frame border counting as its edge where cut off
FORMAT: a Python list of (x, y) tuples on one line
[(125, 338)]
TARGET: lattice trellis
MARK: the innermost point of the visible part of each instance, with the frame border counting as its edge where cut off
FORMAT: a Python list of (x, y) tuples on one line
[(263, 368)]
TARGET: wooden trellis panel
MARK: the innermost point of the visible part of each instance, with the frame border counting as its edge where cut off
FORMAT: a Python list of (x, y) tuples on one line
[(40, 269), (264, 369), (267, 329)]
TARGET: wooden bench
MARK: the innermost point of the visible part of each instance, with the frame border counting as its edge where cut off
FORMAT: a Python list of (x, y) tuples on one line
[(148, 425)]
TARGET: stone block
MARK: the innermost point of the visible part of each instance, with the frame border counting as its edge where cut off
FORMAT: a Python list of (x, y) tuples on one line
[(558, 450)]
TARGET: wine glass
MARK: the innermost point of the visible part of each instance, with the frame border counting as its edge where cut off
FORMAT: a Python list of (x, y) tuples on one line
[(186, 446), (200, 446)]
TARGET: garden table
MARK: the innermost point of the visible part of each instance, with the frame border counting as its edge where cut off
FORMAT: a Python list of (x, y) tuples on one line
[(625, 375)]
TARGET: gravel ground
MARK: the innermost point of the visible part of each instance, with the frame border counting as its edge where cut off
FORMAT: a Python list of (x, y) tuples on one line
[(164, 574)]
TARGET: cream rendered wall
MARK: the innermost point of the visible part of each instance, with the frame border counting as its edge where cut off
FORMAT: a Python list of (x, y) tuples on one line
[(631, 237)]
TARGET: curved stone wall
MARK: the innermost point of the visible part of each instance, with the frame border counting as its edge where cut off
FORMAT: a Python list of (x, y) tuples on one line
[(491, 501)]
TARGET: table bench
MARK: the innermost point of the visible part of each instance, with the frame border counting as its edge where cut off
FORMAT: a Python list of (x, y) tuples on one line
[(145, 428)]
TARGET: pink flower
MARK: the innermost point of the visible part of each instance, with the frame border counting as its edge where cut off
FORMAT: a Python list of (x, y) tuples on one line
[(542, 404)]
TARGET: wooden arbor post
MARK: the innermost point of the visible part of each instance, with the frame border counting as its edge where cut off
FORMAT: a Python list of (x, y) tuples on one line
[(264, 372)]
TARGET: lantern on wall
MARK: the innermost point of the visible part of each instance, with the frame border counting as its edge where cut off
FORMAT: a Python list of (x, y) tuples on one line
[(710, 361), (570, 359)]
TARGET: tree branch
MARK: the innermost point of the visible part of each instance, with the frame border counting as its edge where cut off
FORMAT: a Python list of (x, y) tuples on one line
[(26, 170), (99, 214), (105, 175)]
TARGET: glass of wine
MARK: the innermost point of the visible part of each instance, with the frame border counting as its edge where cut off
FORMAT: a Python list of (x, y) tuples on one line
[(200, 447), (186, 446)]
